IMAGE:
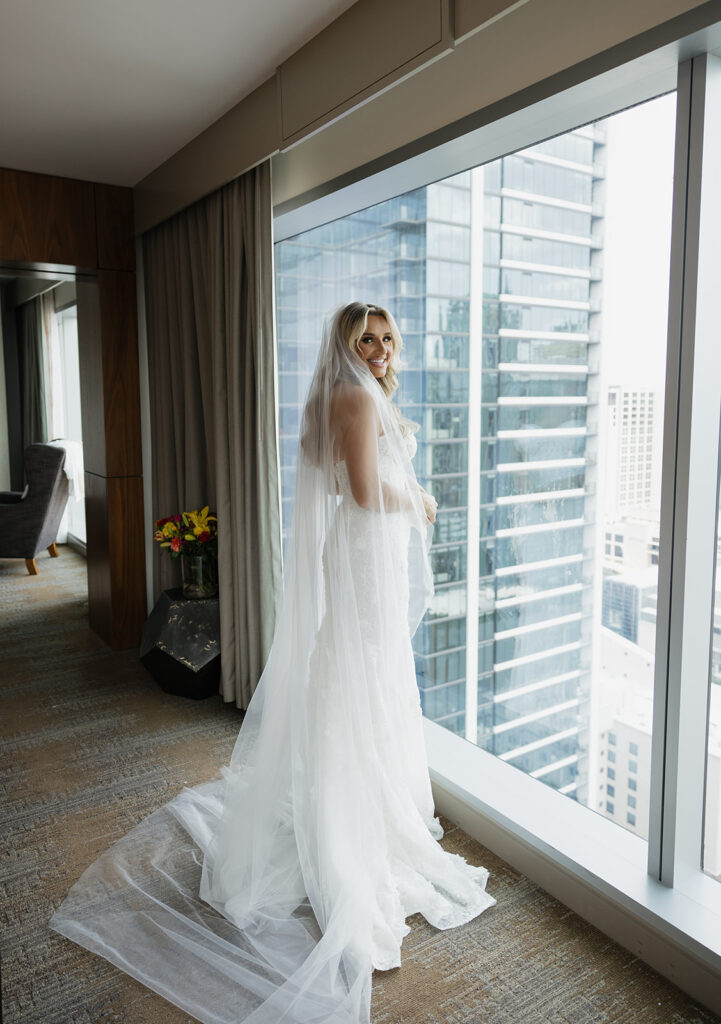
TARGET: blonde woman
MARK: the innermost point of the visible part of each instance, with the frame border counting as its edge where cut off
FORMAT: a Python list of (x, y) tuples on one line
[(273, 892)]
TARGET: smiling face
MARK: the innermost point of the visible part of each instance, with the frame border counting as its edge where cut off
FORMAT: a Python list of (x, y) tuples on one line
[(375, 345)]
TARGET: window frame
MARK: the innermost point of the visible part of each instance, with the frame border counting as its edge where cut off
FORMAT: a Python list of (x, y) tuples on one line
[(689, 497), (660, 881)]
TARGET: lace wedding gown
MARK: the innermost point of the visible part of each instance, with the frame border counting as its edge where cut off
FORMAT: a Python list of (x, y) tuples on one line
[(411, 872), (271, 893)]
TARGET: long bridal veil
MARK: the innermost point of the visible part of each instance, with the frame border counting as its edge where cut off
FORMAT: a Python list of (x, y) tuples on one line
[(271, 892)]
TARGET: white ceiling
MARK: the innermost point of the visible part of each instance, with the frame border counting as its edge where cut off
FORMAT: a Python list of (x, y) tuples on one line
[(107, 90)]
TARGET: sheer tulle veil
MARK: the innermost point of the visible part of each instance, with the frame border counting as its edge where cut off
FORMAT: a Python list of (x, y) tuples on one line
[(271, 892)]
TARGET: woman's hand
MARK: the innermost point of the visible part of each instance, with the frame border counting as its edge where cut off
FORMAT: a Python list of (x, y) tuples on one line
[(430, 505)]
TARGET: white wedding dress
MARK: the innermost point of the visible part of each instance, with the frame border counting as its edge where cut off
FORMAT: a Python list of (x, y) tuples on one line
[(271, 893), (411, 872)]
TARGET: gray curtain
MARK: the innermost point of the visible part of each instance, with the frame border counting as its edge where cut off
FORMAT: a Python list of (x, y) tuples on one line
[(209, 298), (32, 373)]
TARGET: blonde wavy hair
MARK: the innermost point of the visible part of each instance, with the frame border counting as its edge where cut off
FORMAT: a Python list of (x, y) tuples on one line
[(338, 351), (352, 321)]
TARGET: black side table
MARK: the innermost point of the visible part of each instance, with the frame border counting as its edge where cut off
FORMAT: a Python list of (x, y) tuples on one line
[(181, 645)]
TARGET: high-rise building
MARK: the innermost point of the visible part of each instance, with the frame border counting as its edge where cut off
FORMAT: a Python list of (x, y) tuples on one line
[(539, 451), (633, 468), (493, 276), (626, 597), (630, 504), (631, 542), (625, 718)]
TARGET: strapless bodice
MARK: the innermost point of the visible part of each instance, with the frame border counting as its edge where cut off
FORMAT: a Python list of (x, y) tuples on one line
[(388, 468)]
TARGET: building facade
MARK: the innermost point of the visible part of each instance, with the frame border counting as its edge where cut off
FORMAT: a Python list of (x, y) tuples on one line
[(494, 278), (632, 442), (626, 716)]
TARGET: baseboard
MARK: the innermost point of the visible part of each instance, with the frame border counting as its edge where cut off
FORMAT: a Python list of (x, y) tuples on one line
[(77, 545), (660, 952)]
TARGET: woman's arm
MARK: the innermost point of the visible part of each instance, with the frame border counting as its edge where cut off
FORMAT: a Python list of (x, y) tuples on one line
[(358, 431), (430, 504)]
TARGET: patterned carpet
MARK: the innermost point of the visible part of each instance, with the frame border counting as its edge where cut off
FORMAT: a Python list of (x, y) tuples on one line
[(90, 745)]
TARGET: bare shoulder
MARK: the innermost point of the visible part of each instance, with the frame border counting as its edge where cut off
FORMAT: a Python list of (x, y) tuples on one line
[(353, 417), (350, 401)]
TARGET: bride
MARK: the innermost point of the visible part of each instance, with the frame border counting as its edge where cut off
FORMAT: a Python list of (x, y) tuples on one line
[(272, 892)]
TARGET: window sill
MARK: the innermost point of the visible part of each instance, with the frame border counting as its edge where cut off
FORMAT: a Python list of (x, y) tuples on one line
[(588, 862)]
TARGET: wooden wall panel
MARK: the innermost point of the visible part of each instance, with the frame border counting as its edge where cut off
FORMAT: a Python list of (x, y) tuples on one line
[(120, 376), (47, 220), (109, 375), (116, 558), (125, 518), (9, 355), (116, 235), (90, 353), (89, 227), (100, 604)]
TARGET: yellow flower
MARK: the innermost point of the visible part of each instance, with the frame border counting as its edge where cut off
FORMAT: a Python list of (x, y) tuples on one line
[(189, 536), (199, 518), (170, 530)]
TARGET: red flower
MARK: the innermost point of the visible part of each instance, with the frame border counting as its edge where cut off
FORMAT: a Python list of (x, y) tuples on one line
[(205, 535), (176, 544), (177, 518)]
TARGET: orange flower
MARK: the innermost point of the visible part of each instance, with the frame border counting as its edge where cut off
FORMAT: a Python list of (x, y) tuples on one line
[(176, 544)]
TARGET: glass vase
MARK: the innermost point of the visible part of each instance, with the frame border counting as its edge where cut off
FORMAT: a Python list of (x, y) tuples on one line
[(200, 576)]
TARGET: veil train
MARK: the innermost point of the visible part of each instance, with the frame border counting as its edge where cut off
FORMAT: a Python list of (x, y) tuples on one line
[(271, 892)]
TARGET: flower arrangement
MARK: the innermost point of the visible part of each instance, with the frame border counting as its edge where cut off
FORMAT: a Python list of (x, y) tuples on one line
[(188, 533), (193, 536)]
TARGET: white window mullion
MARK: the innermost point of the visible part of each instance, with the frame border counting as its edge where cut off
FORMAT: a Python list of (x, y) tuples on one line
[(660, 832), (691, 457), (475, 343)]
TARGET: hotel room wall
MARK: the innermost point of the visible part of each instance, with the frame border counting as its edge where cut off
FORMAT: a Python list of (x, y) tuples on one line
[(502, 54)]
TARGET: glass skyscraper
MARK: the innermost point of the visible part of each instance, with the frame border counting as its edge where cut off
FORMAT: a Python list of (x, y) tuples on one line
[(541, 332), (492, 276)]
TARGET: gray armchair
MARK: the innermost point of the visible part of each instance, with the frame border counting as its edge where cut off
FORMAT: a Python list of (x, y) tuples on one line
[(29, 521)]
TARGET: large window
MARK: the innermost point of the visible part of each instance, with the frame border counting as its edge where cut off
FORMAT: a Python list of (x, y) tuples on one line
[(531, 294), (67, 392), (560, 311)]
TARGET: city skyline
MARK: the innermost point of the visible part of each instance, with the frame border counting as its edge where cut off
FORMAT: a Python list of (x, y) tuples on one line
[(528, 441), (532, 254)]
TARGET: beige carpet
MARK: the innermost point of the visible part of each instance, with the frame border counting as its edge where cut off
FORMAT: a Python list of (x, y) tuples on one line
[(90, 745)]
